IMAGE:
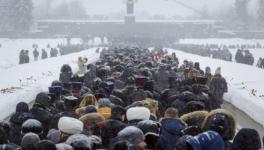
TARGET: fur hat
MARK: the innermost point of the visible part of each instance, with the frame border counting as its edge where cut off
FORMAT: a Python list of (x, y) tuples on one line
[(80, 111), (138, 113), (92, 118), (63, 146), (70, 125), (151, 104), (195, 118), (193, 73), (221, 121)]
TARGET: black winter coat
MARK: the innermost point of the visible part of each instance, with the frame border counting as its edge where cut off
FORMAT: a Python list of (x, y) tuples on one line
[(16, 122), (109, 130), (43, 115)]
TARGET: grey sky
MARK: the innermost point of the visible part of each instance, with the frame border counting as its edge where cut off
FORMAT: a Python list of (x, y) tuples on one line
[(166, 7)]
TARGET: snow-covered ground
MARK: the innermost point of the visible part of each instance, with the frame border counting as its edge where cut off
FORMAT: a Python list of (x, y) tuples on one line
[(9, 52), (230, 41), (234, 41), (242, 79), (23, 82)]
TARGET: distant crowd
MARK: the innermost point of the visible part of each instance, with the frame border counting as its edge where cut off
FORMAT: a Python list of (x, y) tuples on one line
[(243, 55), (24, 54)]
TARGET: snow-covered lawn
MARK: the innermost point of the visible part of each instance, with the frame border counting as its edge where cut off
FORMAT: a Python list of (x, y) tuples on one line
[(23, 82), (230, 41), (234, 41), (9, 52), (242, 79)]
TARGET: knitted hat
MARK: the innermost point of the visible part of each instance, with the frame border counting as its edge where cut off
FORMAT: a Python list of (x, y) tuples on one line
[(218, 71), (104, 102), (132, 134), (29, 139), (90, 109), (79, 141), (32, 125)]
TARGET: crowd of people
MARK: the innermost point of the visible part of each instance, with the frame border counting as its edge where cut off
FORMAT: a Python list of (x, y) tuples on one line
[(244, 57), (222, 52), (72, 48), (25, 58), (212, 50), (129, 100)]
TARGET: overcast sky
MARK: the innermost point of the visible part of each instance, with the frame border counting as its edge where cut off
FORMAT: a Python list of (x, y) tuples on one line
[(166, 7)]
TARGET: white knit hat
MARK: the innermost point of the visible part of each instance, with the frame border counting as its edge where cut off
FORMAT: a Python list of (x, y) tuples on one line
[(138, 113), (70, 125), (218, 71)]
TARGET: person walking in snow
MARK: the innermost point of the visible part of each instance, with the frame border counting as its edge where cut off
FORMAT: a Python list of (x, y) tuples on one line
[(239, 56), (208, 75), (218, 87), (82, 65), (262, 63), (44, 54), (36, 54), (22, 57), (248, 58), (53, 52), (26, 56)]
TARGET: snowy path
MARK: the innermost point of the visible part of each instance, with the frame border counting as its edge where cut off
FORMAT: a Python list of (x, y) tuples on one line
[(23, 82), (29, 79), (243, 120), (242, 80)]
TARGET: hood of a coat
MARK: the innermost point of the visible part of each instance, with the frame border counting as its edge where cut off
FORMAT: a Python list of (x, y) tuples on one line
[(220, 119), (19, 118)]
